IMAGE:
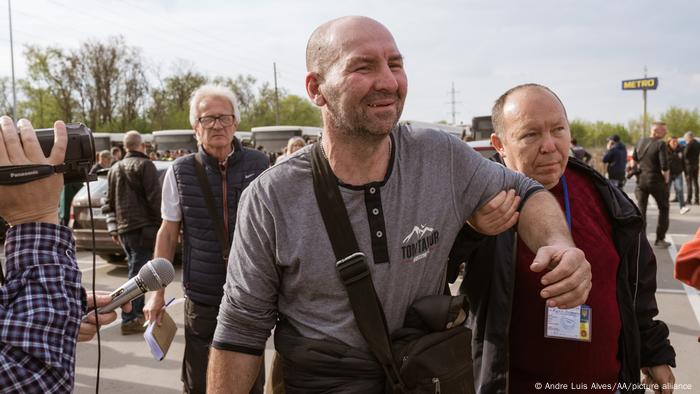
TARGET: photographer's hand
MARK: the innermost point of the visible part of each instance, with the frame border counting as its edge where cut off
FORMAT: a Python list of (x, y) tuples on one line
[(33, 201)]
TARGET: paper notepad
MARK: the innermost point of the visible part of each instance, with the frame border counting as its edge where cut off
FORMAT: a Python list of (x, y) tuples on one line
[(160, 337)]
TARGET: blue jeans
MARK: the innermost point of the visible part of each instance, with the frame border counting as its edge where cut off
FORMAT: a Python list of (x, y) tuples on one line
[(138, 246), (677, 184)]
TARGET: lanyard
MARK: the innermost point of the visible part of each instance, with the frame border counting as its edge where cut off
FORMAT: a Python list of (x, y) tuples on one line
[(567, 207)]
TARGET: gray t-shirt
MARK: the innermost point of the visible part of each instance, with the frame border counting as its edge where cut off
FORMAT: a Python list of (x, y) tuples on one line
[(282, 262)]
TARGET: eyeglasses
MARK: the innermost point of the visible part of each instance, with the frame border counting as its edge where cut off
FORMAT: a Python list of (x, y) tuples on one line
[(210, 121)]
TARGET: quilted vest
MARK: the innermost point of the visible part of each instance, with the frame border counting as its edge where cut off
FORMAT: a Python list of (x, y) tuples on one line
[(204, 269)]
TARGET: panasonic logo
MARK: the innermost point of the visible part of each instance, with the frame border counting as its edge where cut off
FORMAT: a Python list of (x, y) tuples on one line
[(23, 174)]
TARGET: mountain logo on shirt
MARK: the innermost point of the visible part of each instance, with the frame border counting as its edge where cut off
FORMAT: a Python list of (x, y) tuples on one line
[(418, 243)]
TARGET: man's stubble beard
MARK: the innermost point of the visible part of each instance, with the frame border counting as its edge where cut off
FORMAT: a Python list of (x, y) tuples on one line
[(356, 123)]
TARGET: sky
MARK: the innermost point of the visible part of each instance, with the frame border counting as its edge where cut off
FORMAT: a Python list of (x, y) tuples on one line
[(579, 48)]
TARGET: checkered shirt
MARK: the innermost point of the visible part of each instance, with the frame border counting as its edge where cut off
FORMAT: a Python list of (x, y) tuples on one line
[(41, 304)]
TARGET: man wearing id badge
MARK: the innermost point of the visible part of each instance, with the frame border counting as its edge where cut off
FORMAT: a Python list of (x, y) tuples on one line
[(523, 345)]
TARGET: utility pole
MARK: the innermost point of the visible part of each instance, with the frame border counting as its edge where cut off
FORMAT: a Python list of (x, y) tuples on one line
[(277, 98), (12, 60), (453, 103), (644, 95)]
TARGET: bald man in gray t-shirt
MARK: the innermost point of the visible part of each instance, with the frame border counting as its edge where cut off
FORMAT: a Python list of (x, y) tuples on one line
[(282, 260), (413, 191)]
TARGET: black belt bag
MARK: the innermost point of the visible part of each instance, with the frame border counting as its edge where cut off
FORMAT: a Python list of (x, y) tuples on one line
[(431, 353)]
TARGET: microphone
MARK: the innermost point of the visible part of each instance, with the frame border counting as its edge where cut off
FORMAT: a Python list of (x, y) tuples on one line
[(154, 275)]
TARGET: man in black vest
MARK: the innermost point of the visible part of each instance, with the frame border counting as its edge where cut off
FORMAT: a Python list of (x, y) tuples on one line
[(132, 208), (207, 218)]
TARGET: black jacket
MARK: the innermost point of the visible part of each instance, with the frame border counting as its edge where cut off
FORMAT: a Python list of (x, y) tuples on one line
[(652, 156), (675, 161), (133, 197), (489, 280), (616, 159), (692, 154)]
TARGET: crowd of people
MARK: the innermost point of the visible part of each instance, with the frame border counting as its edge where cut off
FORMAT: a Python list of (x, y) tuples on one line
[(539, 232)]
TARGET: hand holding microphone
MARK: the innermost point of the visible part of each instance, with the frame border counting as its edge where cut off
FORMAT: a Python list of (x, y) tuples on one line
[(88, 327), (154, 275)]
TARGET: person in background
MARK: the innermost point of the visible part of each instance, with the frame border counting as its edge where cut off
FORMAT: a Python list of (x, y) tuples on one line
[(116, 154), (229, 168), (65, 203), (132, 207), (691, 152), (579, 152), (293, 145), (675, 167), (616, 160), (105, 161), (166, 156), (651, 155)]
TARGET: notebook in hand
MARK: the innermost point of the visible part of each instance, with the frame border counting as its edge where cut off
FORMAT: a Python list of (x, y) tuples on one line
[(160, 337)]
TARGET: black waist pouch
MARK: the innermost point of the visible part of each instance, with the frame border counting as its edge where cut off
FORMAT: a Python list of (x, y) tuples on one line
[(433, 350)]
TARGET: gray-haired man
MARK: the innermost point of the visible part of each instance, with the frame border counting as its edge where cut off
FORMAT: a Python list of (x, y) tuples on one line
[(229, 169)]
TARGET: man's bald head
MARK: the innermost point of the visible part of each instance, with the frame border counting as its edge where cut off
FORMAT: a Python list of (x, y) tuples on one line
[(325, 42)]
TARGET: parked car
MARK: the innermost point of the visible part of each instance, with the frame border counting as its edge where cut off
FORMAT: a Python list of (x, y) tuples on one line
[(484, 147), (80, 217)]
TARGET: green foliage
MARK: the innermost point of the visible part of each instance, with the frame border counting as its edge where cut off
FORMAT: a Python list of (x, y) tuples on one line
[(591, 134), (679, 120), (103, 84)]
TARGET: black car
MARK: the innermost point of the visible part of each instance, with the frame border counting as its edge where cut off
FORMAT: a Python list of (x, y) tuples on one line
[(80, 217)]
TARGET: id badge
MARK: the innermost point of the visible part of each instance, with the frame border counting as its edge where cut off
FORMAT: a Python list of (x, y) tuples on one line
[(572, 324)]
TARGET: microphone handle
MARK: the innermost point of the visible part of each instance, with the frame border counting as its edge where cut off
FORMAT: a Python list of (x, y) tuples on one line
[(130, 290)]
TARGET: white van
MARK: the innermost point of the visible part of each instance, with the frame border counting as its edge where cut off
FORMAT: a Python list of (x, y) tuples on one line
[(274, 138), (175, 139)]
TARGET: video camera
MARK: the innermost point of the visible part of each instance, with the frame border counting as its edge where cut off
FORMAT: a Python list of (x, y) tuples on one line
[(80, 156), (633, 171)]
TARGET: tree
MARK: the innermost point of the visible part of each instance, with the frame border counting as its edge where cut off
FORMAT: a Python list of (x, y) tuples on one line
[(54, 72), (592, 134), (170, 103), (242, 86), (679, 120), (39, 105), (102, 83), (295, 110), (5, 96)]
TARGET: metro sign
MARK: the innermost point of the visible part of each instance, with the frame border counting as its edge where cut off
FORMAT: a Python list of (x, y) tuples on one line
[(641, 84)]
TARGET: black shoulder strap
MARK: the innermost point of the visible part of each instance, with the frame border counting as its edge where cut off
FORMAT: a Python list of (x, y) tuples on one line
[(209, 200), (352, 266), (643, 149)]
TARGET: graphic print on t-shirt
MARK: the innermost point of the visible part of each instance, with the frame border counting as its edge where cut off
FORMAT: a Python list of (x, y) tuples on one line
[(418, 243)]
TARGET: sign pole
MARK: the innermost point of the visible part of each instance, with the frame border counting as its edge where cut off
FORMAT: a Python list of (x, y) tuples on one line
[(644, 94), (643, 85), (644, 123)]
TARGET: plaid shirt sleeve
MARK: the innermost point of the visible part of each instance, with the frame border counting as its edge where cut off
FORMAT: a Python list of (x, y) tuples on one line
[(41, 305)]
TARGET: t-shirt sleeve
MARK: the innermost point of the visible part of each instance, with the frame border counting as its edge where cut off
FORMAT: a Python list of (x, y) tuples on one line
[(170, 203), (476, 180), (248, 310)]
